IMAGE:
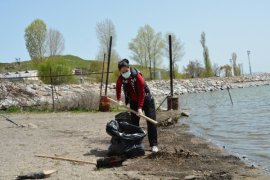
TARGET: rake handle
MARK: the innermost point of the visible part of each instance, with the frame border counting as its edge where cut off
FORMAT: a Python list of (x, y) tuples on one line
[(131, 110), (65, 159)]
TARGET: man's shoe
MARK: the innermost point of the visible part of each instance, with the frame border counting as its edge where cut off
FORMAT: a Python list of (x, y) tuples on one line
[(154, 149)]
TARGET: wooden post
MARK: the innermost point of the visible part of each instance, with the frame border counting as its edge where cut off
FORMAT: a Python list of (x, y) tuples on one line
[(101, 84), (172, 102), (171, 64), (52, 88), (228, 89), (108, 66)]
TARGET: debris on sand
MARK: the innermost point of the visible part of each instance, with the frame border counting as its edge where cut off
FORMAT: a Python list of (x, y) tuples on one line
[(37, 175), (190, 177), (9, 120), (186, 114), (168, 118), (109, 162), (181, 153), (178, 153), (32, 126)]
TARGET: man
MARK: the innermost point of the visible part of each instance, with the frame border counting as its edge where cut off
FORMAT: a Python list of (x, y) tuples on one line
[(138, 95)]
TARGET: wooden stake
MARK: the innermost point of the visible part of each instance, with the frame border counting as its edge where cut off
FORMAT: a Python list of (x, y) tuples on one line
[(230, 94)]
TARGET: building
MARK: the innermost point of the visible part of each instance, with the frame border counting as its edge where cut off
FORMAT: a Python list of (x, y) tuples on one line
[(20, 75)]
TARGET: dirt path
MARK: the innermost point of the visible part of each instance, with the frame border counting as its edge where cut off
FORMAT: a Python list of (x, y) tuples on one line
[(83, 136)]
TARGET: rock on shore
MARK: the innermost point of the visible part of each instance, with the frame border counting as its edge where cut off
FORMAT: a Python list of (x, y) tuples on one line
[(198, 85), (87, 95)]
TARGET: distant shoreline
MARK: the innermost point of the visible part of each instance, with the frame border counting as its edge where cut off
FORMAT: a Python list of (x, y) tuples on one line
[(199, 85)]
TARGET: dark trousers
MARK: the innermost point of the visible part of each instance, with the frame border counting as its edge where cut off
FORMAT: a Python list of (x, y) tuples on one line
[(149, 111)]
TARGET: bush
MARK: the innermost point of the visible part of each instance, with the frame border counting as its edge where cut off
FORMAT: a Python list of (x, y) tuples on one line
[(53, 69)]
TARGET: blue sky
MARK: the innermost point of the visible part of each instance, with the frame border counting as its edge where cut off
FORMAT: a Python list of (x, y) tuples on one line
[(230, 26)]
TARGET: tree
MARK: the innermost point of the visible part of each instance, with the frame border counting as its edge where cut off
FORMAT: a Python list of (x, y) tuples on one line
[(228, 70), (147, 48), (158, 45), (35, 37), (55, 42), (177, 50), (194, 69), (207, 62), (236, 68), (104, 30), (113, 64), (216, 70), (56, 67)]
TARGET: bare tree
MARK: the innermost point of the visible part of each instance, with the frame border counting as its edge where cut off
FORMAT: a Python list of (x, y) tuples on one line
[(216, 70), (55, 42), (177, 50), (158, 44), (104, 30), (194, 69)]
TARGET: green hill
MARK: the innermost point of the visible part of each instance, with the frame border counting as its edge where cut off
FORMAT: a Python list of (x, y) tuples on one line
[(77, 62), (73, 61)]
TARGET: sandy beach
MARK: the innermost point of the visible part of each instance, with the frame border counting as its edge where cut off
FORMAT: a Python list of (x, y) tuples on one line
[(83, 136)]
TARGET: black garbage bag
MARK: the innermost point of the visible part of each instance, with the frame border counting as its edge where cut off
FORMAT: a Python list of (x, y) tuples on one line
[(126, 139), (123, 117)]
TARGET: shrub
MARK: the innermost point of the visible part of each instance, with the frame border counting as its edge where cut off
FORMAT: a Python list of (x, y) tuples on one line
[(55, 70)]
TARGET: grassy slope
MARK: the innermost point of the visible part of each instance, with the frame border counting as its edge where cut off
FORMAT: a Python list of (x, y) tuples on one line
[(73, 61), (77, 62)]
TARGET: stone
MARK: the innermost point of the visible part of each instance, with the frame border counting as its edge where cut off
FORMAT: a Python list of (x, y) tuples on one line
[(190, 177), (32, 126)]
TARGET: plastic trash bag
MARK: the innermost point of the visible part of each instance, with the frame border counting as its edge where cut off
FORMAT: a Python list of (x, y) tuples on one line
[(126, 139), (123, 117)]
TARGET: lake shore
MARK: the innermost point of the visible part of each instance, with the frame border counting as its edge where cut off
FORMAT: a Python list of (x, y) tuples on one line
[(199, 85), (74, 96), (83, 136)]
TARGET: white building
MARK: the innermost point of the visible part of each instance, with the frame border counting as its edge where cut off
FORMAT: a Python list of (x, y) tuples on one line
[(20, 75)]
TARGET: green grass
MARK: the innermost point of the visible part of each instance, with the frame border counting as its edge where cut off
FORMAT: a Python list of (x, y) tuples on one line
[(77, 62), (116, 109), (73, 62), (15, 109)]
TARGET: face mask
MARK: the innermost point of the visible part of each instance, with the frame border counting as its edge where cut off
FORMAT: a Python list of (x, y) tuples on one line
[(126, 74)]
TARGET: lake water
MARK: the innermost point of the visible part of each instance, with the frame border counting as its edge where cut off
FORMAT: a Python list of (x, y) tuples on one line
[(243, 128)]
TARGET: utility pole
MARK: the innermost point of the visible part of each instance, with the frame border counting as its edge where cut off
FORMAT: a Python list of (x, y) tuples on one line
[(248, 53)]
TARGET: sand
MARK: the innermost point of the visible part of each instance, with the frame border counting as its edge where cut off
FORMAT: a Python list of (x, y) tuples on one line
[(83, 136)]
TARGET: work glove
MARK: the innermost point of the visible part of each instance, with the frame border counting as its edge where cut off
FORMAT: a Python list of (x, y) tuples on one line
[(140, 112)]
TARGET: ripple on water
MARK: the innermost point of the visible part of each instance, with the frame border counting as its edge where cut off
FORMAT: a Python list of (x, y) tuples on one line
[(244, 127)]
